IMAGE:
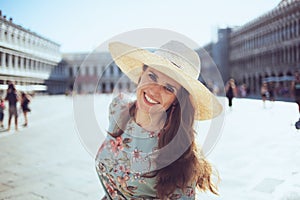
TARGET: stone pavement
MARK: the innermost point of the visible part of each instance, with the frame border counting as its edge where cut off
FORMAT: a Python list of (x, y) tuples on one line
[(46, 160), (257, 155)]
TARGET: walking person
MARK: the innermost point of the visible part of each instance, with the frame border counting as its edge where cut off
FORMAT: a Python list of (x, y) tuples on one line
[(2, 108), (295, 93), (231, 91), (271, 89), (243, 90), (150, 150), (12, 98), (25, 100), (264, 92)]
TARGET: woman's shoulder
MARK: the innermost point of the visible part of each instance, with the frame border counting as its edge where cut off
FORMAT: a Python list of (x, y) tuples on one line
[(119, 111), (121, 101)]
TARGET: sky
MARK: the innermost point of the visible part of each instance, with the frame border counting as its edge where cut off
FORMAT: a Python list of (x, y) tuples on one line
[(81, 26)]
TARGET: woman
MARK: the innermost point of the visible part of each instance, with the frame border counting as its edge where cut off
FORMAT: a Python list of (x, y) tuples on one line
[(150, 150), (2, 108), (231, 91), (12, 98), (25, 100), (264, 92)]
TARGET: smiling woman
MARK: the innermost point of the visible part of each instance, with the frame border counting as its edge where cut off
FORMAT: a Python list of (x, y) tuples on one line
[(150, 150), (155, 94)]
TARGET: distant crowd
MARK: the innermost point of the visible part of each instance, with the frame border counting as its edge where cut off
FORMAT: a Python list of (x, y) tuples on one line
[(13, 97), (268, 91)]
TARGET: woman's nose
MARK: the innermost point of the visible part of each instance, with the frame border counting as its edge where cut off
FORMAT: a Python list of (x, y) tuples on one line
[(157, 89)]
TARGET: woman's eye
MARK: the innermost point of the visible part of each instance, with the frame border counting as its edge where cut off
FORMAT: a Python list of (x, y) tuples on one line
[(169, 89), (152, 77)]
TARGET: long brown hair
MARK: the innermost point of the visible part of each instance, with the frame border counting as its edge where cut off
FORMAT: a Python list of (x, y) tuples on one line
[(191, 166)]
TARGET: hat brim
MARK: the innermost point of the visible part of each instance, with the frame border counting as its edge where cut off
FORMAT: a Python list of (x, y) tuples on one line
[(130, 60)]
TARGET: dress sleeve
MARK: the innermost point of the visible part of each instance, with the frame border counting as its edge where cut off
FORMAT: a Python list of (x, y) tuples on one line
[(188, 193), (118, 113)]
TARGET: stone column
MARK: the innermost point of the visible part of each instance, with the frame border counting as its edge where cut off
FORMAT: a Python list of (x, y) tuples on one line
[(30, 64), (22, 63), (16, 61), (3, 59), (26, 63), (9, 61)]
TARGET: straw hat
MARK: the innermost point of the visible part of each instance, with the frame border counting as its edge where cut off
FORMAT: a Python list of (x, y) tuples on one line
[(177, 61)]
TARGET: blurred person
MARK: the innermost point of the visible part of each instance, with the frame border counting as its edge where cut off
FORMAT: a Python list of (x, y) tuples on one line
[(12, 98), (295, 93), (132, 162), (243, 90), (271, 89), (264, 92), (231, 91), (2, 108), (25, 100)]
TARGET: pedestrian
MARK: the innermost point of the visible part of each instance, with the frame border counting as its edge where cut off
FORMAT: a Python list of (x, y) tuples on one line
[(2, 108), (243, 90), (295, 93), (25, 100), (264, 92), (271, 88), (231, 91), (150, 150), (12, 98)]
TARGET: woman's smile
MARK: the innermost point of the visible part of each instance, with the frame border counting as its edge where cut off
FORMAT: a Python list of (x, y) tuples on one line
[(150, 100)]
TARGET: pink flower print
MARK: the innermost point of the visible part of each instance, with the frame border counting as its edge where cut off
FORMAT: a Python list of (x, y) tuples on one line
[(137, 176), (124, 169), (190, 192), (116, 145), (152, 134), (109, 189), (123, 180), (136, 154)]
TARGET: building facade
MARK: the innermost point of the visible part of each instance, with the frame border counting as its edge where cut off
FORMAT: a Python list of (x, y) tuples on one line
[(94, 73), (268, 48), (28, 59), (265, 49)]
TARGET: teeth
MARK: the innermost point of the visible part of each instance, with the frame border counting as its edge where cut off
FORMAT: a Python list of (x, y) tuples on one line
[(150, 100)]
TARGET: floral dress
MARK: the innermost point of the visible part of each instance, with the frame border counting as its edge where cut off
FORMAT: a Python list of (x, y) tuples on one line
[(122, 161)]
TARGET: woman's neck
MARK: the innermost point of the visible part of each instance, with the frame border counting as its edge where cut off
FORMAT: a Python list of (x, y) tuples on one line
[(150, 121)]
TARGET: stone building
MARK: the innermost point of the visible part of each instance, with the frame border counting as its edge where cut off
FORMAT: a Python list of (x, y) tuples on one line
[(94, 73), (267, 48), (264, 49), (28, 59)]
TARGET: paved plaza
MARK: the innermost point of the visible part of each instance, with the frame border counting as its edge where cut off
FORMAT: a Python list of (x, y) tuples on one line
[(257, 156), (46, 160)]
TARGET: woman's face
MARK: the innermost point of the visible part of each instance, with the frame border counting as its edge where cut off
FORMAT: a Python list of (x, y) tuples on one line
[(156, 91)]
